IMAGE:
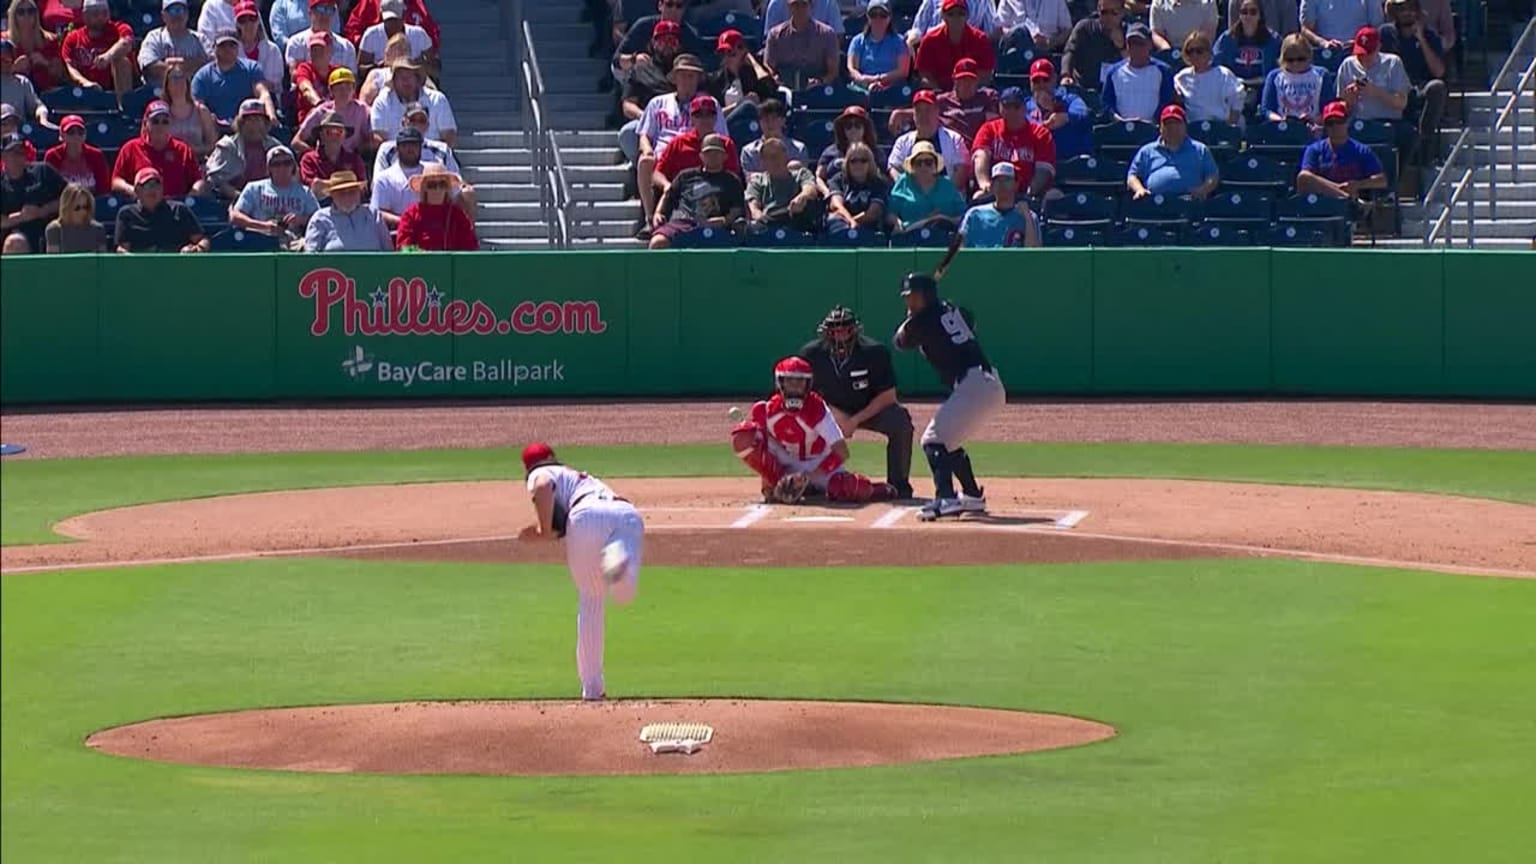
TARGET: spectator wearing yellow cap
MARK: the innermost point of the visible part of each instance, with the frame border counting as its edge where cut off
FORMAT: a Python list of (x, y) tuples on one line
[(344, 104)]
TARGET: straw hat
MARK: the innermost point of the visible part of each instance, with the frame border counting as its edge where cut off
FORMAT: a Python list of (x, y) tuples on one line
[(922, 148), (339, 182), (436, 171)]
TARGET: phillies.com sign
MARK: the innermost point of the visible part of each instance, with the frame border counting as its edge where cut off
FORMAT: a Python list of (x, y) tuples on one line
[(410, 307)]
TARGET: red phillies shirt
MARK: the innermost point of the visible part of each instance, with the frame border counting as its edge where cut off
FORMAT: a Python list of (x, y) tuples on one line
[(936, 55), (436, 228), (81, 50), (314, 166), (89, 169), (176, 163), (42, 58), (682, 153), (1026, 147), (366, 14)]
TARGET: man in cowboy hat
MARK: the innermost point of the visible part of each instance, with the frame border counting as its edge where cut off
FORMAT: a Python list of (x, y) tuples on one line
[(665, 117), (345, 225), (388, 109), (329, 154), (240, 156), (277, 204), (392, 192)]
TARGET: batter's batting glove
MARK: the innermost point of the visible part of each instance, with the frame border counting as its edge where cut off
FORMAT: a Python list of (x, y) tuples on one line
[(791, 488)]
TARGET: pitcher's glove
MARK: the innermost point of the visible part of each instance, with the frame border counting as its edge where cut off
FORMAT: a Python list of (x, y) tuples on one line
[(791, 488)]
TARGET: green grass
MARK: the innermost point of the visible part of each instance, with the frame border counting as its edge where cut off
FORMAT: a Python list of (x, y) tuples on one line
[(34, 494), (1269, 711)]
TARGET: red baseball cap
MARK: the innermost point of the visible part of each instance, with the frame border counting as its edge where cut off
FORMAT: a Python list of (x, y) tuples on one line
[(534, 454), (1171, 112), (157, 108), (727, 42), (666, 28), (924, 96), (955, 4), (965, 67), (1042, 68), (247, 9), (73, 121), (1367, 40), (703, 102), (1335, 111), (145, 175)]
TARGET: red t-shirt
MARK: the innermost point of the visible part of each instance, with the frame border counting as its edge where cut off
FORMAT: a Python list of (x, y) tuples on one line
[(936, 55), (306, 71), (314, 166), (366, 14), (89, 169), (436, 228), (682, 153), (176, 163), (81, 50), (1025, 147), (46, 52)]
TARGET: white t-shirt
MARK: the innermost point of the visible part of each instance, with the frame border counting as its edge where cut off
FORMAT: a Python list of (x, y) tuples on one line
[(392, 189), (663, 119), (952, 148), (571, 486), (375, 40), (1215, 94), (342, 52), (387, 112), (431, 151)]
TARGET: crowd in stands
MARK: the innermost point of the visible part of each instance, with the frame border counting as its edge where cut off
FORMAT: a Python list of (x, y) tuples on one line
[(865, 122), (200, 125)]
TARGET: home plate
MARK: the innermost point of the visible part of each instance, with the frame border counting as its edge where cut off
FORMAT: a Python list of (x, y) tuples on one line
[(818, 519)]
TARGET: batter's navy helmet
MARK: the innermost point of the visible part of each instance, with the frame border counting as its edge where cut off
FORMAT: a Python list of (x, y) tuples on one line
[(920, 283)]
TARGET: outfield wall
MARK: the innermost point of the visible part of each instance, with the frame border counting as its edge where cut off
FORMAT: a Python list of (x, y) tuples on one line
[(550, 324)]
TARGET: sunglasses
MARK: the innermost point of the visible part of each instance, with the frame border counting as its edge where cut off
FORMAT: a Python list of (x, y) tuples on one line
[(877, 13), (280, 163), (81, 208), (75, 133), (704, 113), (435, 184), (931, 163), (159, 121), (323, 10), (1248, 13), (1297, 59)]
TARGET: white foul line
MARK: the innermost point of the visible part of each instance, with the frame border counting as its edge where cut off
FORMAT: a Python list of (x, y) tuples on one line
[(892, 516), (1071, 519), (756, 513)]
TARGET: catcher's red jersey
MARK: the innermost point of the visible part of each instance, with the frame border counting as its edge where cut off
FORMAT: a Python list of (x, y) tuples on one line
[(799, 439)]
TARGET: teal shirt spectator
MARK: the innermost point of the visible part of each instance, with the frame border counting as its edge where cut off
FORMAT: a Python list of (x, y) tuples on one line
[(909, 203), (877, 58), (1173, 172), (986, 227), (223, 91)]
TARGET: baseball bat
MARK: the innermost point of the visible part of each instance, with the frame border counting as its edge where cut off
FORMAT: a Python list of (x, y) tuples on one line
[(955, 242)]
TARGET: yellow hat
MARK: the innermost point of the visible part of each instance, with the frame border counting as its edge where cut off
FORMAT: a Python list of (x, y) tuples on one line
[(339, 74)]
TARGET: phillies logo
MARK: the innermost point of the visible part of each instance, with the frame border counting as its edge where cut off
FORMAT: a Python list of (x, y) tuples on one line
[(410, 307)]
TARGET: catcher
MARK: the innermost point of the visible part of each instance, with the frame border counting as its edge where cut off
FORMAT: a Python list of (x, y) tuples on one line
[(793, 443)]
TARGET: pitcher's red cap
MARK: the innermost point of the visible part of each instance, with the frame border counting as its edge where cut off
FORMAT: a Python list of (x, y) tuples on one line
[(535, 453)]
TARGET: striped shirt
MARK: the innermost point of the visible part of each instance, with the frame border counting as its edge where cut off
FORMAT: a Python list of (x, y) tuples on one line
[(1135, 93)]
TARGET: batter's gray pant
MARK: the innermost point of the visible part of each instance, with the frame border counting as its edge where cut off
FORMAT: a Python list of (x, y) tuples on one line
[(976, 398)]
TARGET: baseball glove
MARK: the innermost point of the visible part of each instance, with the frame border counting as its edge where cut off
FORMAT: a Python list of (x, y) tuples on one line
[(790, 488)]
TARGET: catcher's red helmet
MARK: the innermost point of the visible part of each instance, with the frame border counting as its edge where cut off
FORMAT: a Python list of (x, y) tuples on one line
[(792, 378)]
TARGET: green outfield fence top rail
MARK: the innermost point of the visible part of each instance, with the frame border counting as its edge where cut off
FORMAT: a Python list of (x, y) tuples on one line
[(1400, 323)]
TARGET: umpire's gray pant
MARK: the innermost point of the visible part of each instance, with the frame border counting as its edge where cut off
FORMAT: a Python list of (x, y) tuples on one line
[(976, 397)]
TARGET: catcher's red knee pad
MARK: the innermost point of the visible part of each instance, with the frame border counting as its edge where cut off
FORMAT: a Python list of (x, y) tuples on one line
[(847, 486), (751, 447)]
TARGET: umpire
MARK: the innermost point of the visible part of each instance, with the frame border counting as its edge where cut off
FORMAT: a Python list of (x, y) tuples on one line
[(855, 376)]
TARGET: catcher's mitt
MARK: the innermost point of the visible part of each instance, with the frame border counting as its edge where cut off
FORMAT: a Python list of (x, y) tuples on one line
[(790, 488)]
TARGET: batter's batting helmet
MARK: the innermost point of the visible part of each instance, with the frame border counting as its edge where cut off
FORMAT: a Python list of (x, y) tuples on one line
[(920, 283)]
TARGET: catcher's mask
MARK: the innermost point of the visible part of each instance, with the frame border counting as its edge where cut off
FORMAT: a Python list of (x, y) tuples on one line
[(840, 330), (792, 378)]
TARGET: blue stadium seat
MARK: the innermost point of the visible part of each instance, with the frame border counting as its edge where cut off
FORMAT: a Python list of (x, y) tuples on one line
[(1157, 210), (1173, 57), (1252, 171), (1001, 82), (135, 101), (74, 100), (1286, 138), (1083, 208), (836, 96), (814, 128), (853, 25), (209, 211), (1239, 208), (706, 238), (854, 238), (1373, 132), (1091, 172), (1145, 235), (929, 236), (742, 125), (1123, 139), (777, 238), (1073, 235), (1330, 215), (1222, 138), (107, 207), (1215, 234), (110, 130), (1295, 234), (892, 97), (236, 240), (41, 136), (1016, 52), (750, 26), (1329, 61)]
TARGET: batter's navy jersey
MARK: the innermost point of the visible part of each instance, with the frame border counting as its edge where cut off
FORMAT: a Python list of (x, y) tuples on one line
[(848, 384), (943, 333)]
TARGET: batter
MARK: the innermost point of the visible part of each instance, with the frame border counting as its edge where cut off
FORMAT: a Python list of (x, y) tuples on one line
[(603, 536)]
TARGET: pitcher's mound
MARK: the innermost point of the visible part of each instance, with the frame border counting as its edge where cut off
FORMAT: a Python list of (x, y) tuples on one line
[(590, 738)]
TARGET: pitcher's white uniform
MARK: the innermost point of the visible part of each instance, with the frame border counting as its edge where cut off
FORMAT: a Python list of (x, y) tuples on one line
[(593, 517)]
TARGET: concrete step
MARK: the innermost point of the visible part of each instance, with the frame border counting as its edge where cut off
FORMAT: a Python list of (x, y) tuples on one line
[(555, 101), (578, 175), (586, 212), (503, 120), (513, 138), (1507, 208), (1510, 229), (1482, 154), (571, 156), (533, 229), (1524, 135), (527, 192)]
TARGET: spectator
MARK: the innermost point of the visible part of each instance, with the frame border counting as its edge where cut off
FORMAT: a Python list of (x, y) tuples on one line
[(392, 186), (396, 50), (368, 13), (1095, 46), (175, 164), (216, 16), (191, 121), (277, 205), (62, 16), (99, 54), (828, 12), (782, 195), (29, 197), (685, 150), (330, 154), (1005, 222), (1279, 16), (1048, 22), (16, 89), (878, 58), (708, 194), (935, 13), (322, 19), (254, 44), (648, 79), (1249, 48), (945, 45), (851, 127), (416, 117), (311, 79), (78, 162), (289, 17), (1175, 164), (1206, 91), (631, 51), (76, 228), (1139, 85), (961, 110), (345, 225), (405, 87), (230, 81), (1015, 139), (857, 195), (173, 41), (37, 53), (1295, 90), (434, 223), (155, 222), (10, 124), (955, 150), (742, 77), (240, 158), (1333, 23), (803, 52), (770, 122), (1336, 165), (370, 48), (1423, 58), (1438, 19), (1059, 110), (664, 118), (352, 113), (1174, 21), (1374, 85), (923, 197)]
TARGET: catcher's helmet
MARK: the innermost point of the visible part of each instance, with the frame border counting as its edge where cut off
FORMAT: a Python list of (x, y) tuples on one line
[(840, 330), (920, 283), (792, 378)]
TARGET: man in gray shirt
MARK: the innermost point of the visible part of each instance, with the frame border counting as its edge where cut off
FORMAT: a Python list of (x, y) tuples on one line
[(1332, 23), (803, 52), (174, 40), (1372, 83), (17, 90), (770, 121)]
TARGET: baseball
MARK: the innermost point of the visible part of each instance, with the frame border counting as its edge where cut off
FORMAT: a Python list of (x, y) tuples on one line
[(735, 414)]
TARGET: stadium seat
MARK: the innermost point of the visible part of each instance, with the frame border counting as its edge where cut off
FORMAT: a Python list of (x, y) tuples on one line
[(41, 137), (891, 97), (1002, 82), (1073, 235), (814, 128), (1239, 208), (110, 130), (853, 25), (1214, 234), (827, 97), (1016, 52), (1285, 138), (742, 124), (208, 211), (1250, 171), (1329, 61), (1172, 210), (74, 100), (1373, 133), (1173, 57), (107, 207), (1294, 234), (854, 238), (706, 238), (1146, 235), (1083, 208), (1223, 138), (750, 26), (1330, 215), (135, 101), (1091, 172), (925, 237), (1123, 139), (236, 240), (777, 238)]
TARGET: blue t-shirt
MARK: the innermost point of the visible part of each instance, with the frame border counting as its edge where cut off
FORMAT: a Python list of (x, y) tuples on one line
[(986, 227), (877, 58), (264, 201), (1173, 172), (1352, 161), (1248, 60), (223, 92), (1073, 139)]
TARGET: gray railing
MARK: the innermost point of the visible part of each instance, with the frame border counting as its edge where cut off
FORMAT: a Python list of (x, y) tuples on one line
[(547, 166)]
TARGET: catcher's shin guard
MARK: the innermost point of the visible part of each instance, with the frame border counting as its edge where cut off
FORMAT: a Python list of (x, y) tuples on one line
[(856, 488), (751, 447)]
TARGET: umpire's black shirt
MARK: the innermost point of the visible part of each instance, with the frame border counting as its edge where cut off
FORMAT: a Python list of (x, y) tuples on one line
[(850, 383)]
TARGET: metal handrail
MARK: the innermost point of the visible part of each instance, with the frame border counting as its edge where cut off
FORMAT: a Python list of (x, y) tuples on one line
[(1511, 109), (547, 170), (1460, 151), (1446, 219)]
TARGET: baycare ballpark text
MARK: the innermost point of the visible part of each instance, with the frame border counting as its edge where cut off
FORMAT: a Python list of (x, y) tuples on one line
[(409, 307)]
